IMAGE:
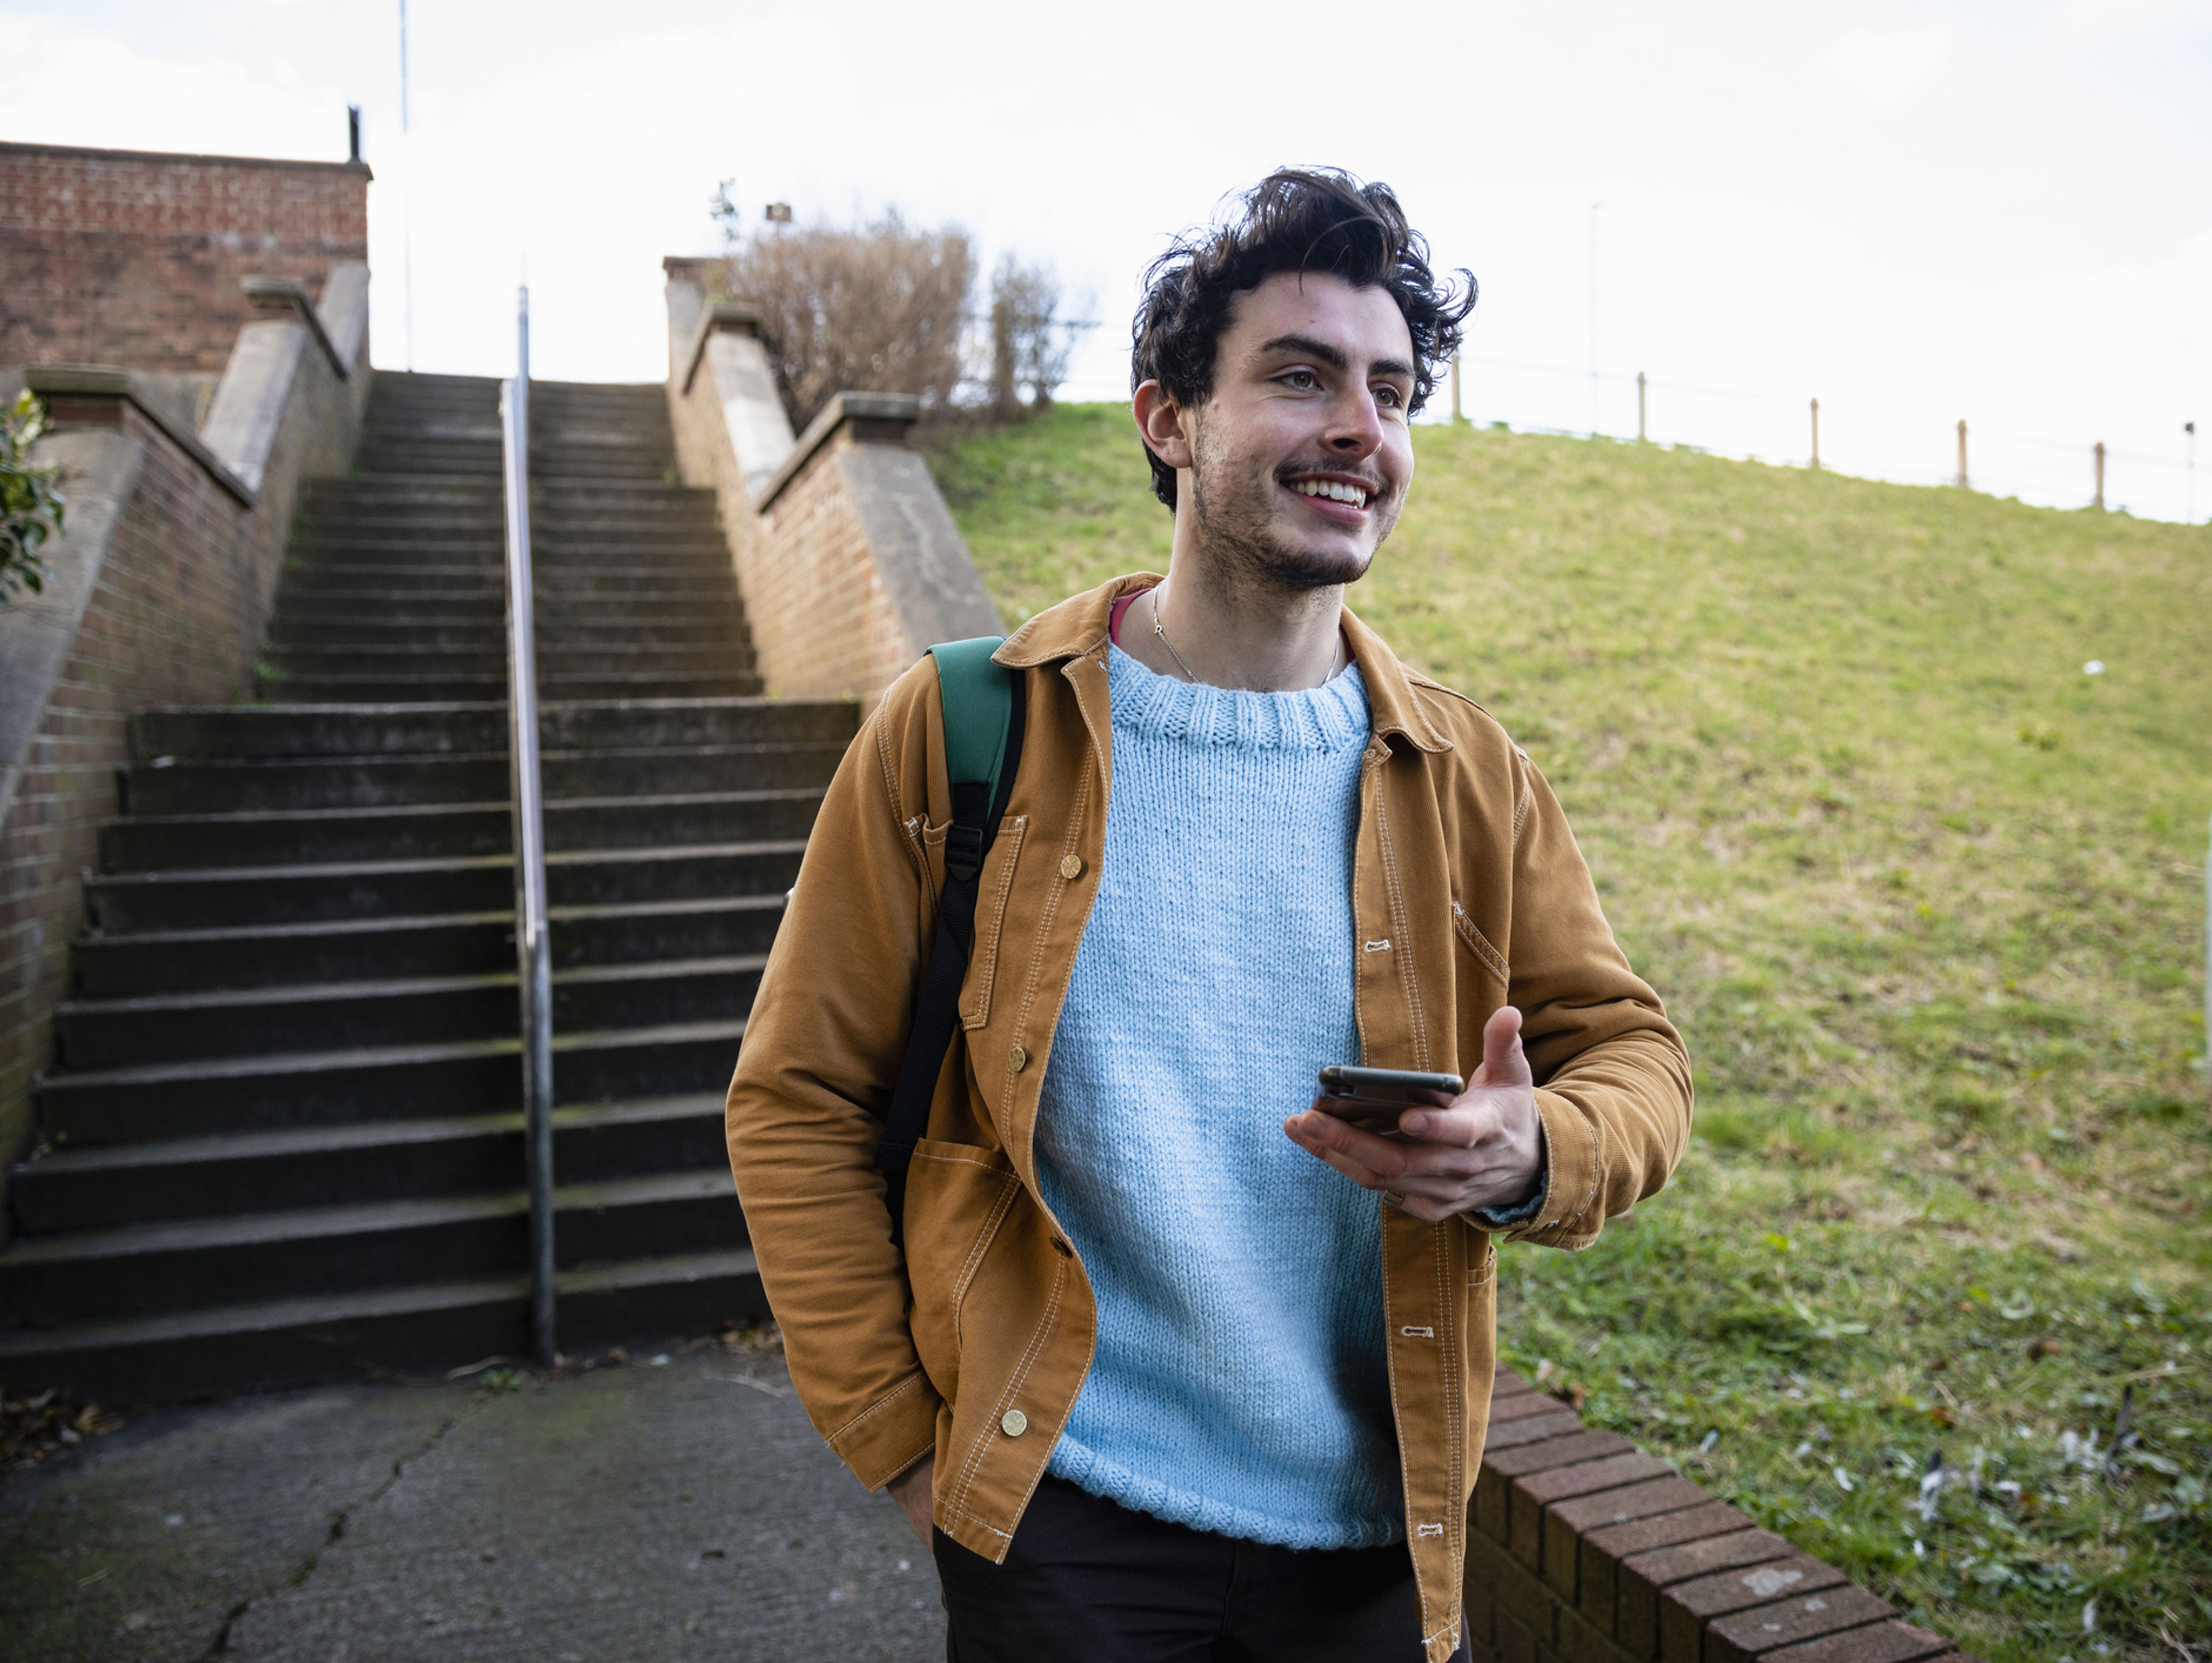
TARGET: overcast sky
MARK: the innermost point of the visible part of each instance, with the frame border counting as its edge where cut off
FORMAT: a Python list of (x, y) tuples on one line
[(1916, 212)]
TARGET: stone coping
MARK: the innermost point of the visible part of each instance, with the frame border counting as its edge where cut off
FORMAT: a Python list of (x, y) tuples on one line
[(1582, 1549), (873, 409), (85, 381), (734, 315), (282, 294), (94, 153)]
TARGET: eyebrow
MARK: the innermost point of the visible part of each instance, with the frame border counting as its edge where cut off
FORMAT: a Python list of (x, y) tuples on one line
[(1307, 346)]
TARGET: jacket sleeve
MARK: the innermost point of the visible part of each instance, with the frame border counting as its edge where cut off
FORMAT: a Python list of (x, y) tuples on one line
[(1612, 1079), (822, 1049)]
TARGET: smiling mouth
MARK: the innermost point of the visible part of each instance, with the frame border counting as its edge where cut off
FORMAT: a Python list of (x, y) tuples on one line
[(1332, 490)]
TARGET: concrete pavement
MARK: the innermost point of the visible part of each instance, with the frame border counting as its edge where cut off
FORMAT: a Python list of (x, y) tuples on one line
[(669, 1509)]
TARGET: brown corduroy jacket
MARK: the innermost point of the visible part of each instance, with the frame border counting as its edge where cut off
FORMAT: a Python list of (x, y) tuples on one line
[(1468, 894)]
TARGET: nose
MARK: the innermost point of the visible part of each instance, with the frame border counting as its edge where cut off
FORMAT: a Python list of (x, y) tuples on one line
[(1355, 427)]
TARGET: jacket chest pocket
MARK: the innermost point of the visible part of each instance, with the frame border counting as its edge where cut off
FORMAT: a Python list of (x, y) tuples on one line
[(1471, 937), (993, 884)]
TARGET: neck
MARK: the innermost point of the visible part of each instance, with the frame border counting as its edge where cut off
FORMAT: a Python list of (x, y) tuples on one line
[(1257, 636)]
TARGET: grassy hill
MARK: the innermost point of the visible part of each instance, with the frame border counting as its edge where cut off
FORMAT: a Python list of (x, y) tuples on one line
[(1927, 900)]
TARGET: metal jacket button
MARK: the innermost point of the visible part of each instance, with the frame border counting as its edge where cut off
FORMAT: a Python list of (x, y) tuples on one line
[(1017, 1059), (1013, 1423), (1072, 868)]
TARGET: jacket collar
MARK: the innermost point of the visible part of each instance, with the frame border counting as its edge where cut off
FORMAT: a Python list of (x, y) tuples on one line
[(1076, 628)]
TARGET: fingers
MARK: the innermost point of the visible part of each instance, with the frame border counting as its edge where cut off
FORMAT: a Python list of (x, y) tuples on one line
[(1390, 1163), (1504, 1061), (1391, 1174), (1413, 1184)]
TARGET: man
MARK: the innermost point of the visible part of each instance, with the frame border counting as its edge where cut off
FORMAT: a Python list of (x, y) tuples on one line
[(1170, 1362)]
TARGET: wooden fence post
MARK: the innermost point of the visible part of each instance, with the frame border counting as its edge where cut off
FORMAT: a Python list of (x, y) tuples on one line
[(2100, 474), (1639, 407), (1456, 416), (1816, 435), (1962, 452)]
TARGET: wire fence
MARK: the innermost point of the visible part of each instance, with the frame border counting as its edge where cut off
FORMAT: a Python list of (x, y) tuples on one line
[(1532, 396)]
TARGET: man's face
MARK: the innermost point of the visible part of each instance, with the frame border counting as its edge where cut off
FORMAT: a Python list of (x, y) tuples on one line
[(1302, 456)]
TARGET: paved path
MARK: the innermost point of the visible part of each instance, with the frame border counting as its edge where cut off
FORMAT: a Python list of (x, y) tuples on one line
[(675, 1510)]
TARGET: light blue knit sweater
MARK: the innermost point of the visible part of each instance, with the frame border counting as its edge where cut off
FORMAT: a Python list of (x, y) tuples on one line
[(1240, 1386)]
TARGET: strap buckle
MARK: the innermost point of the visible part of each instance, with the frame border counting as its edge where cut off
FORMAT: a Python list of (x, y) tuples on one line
[(963, 851)]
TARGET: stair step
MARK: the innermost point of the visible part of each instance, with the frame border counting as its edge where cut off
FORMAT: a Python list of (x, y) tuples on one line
[(244, 1172), (554, 660), (441, 689), (425, 1328), (473, 624), (151, 1100), (241, 732), (235, 955), (97, 1034), (325, 585), (143, 1270), (373, 781), (420, 831), (121, 904)]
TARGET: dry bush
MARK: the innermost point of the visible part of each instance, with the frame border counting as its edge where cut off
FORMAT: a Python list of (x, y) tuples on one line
[(875, 307), (1030, 343)]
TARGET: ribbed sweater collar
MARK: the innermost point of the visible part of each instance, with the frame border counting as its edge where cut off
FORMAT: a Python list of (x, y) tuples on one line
[(1149, 705)]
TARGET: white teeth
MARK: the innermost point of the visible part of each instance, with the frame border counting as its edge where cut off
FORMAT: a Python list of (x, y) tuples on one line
[(1333, 491)]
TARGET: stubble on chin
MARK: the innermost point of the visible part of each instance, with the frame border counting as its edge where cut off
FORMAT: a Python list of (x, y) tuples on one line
[(1239, 533)]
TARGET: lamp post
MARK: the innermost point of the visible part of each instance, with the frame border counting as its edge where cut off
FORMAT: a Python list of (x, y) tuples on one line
[(1593, 316)]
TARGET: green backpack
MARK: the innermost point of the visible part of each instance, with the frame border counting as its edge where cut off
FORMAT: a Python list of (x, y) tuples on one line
[(985, 710)]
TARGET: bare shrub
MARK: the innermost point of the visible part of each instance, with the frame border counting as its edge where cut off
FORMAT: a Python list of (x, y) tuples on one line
[(874, 307), (1031, 343)]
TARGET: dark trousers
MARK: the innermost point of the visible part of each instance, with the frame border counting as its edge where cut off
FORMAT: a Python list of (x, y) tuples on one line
[(1087, 1582)]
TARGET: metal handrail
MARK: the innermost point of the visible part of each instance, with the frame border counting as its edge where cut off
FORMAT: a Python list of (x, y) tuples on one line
[(532, 946)]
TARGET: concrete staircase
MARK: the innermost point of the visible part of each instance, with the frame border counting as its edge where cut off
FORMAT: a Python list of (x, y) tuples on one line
[(283, 1139)]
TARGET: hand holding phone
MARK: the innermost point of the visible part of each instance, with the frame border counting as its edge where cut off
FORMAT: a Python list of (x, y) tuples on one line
[(1465, 1149), (1376, 1097)]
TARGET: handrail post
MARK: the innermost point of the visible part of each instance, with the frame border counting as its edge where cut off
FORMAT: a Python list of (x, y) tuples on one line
[(532, 946)]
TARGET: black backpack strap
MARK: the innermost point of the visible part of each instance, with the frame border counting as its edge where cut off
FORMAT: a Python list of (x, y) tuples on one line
[(972, 691)]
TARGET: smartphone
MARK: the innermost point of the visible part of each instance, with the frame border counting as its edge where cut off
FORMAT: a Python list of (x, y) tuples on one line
[(1379, 1095)]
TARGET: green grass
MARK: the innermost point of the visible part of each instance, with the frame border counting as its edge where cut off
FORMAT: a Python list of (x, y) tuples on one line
[(1926, 902)]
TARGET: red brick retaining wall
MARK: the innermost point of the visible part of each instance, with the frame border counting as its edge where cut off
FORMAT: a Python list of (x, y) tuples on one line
[(126, 258), (1581, 1548)]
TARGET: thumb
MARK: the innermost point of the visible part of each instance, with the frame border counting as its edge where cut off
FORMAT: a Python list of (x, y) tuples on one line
[(1503, 1062)]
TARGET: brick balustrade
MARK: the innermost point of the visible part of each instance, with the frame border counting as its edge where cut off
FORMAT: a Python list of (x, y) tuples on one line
[(1582, 1549), (160, 582), (846, 556)]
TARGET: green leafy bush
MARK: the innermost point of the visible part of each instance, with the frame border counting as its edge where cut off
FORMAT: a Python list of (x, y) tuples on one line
[(30, 507)]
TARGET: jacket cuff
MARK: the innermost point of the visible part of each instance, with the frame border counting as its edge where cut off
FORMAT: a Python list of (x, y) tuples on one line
[(891, 1434)]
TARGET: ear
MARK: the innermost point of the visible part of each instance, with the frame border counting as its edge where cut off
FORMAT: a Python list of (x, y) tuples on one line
[(1162, 421)]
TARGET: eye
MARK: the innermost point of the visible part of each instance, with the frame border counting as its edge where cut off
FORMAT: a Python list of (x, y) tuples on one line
[(1304, 380), (1390, 395)]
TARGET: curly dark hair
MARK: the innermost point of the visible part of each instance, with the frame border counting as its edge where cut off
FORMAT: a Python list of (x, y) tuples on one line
[(1297, 219)]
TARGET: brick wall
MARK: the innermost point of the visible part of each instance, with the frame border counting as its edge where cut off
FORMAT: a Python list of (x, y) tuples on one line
[(175, 616), (816, 596), (823, 624), (1584, 1549), (117, 256), (847, 559)]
